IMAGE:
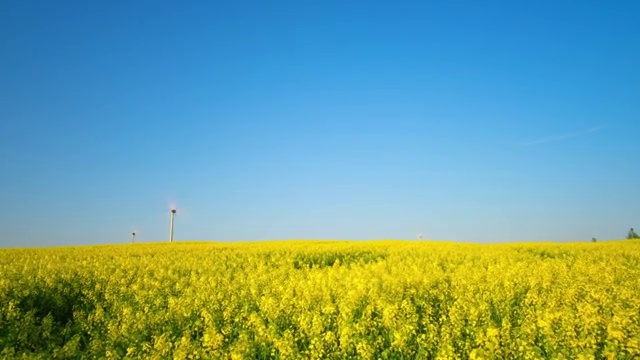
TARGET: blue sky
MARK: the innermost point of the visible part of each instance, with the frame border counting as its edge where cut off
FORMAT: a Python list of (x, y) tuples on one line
[(461, 120)]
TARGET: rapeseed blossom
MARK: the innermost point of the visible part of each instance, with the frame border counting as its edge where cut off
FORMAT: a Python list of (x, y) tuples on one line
[(322, 300)]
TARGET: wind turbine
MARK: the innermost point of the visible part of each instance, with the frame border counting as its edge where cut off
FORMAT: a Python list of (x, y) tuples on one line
[(133, 237), (173, 216), (173, 211)]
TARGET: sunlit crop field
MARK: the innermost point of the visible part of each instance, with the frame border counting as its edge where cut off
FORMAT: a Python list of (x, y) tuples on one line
[(330, 300)]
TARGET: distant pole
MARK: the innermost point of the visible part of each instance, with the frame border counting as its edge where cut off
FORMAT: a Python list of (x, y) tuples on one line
[(133, 237), (173, 216), (420, 237)]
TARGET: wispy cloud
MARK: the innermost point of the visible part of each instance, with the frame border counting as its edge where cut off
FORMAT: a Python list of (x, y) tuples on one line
[(556, 138)]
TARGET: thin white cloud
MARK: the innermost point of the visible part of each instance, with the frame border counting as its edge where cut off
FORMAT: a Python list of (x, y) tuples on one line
[(556, 138)]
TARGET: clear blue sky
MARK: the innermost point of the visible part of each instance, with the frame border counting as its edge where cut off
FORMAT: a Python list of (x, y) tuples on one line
[(461, 120)]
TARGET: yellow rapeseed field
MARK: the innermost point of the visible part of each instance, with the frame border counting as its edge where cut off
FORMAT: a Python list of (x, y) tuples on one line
[(322, 300)]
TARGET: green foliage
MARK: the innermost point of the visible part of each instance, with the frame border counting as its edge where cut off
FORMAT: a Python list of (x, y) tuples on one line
[(632, 234), (331, 258)]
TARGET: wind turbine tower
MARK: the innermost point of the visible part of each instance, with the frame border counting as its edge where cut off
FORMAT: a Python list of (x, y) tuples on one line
[(173, 216), (133, 237)]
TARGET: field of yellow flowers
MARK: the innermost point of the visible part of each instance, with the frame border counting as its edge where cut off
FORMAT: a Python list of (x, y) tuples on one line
[(322, 300)]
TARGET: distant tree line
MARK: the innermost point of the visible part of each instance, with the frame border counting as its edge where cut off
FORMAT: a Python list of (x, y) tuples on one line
[(630, 235)]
